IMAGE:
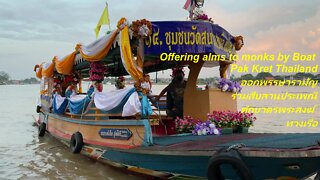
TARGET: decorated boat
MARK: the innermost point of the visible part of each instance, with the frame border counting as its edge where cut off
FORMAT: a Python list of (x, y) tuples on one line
[(127, 129)]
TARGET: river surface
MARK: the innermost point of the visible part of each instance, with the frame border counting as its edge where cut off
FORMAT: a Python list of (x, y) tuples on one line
[(25, 156)]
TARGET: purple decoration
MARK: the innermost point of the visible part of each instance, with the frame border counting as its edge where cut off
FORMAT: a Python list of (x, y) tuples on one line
[(229, 86)]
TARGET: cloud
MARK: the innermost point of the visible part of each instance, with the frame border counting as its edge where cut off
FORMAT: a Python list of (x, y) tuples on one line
[(303, 36), (60, 20), (273, 28), (35, 30)]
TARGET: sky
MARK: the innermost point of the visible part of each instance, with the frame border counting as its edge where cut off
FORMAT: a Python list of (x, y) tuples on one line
[(33, 31)]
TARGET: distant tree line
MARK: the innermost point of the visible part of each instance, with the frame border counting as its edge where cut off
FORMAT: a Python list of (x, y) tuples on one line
[(266, 75), (5, 79)]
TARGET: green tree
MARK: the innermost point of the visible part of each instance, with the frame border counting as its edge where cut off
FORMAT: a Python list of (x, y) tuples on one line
[(30, 81), (304, 75), (263, 75), (4, 77), (279, 77), (247, 77)]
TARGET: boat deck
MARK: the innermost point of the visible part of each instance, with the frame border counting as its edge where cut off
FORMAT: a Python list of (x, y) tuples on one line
[(250, 140)]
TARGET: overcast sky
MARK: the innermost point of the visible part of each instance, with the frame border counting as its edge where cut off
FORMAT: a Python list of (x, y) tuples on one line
[(33, 31)]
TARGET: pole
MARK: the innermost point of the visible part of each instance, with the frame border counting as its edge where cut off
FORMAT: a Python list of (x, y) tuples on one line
[(108, 15)]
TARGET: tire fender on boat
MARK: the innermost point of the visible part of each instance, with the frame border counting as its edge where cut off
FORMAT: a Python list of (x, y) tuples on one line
[(317, 177), (38, 109), (232, 158), (76, 142), (42, 129)]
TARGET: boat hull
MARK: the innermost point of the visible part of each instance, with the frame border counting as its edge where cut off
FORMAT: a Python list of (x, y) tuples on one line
[(176, 156), (95, 132)]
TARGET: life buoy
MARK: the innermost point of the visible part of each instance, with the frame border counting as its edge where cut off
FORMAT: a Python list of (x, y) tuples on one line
[(232, 158), (76, 142), (42, 129)]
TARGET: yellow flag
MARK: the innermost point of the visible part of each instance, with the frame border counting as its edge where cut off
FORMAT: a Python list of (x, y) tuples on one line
[(104, 19)]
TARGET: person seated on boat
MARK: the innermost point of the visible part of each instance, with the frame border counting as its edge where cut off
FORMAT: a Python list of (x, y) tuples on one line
[(71, 90), (147, 79), (145, 83), (57, 90), (96, 86), (120, 82), (175, 92)]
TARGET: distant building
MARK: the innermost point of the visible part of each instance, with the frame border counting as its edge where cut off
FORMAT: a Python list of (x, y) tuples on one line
[(15, 82)]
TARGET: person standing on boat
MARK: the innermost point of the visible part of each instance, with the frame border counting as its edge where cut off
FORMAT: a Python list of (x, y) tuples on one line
[(175, 92), (145, 84)]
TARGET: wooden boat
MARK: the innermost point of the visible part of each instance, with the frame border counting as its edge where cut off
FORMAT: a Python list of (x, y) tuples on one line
[(149, 144)]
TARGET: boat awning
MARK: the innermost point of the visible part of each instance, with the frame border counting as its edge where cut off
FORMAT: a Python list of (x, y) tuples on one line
[(170, 37), (170, 44)]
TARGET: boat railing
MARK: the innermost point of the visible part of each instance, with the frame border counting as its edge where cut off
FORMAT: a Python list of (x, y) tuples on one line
[(94, 114), (159, 121), (159, 104)]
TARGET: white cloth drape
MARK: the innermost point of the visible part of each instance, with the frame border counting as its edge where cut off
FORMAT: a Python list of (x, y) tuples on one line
[(132, 106), (75, 98), (46, 65), (106, 101), (59, 100), (109, 100), (96, 46)]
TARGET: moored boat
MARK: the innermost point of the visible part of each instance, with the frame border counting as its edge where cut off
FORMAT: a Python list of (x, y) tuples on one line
[(122, 129)]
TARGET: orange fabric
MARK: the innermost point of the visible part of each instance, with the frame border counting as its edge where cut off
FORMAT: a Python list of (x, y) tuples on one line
[(48, 72), (127, 55), (65, 65)]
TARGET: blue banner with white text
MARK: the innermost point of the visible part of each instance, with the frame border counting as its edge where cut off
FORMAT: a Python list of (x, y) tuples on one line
[(189, 37)]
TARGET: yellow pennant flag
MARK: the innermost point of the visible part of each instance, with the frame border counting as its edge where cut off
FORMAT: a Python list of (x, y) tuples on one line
[(104, 19)]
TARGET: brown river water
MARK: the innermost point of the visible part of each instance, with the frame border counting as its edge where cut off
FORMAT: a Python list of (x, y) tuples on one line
[(25, 156)]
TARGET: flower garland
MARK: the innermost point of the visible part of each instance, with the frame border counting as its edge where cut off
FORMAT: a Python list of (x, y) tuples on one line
[(96, 85), (200, 15), (141, 28), (138, 87), (238, 42), (97, 70), (70, 79), (120, 82), (122, 23)]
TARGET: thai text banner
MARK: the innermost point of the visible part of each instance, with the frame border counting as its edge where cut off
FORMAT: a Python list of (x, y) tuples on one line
[(189, 37)]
